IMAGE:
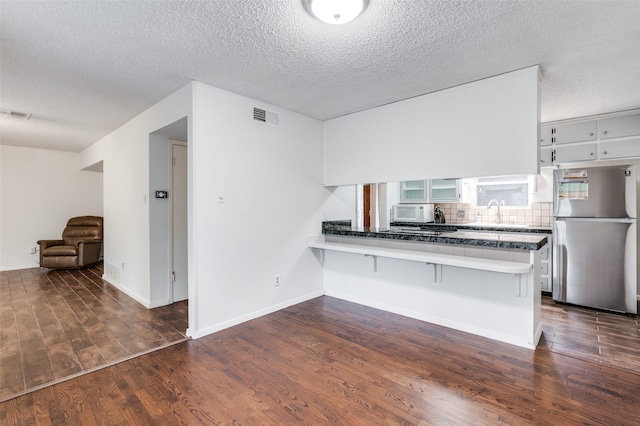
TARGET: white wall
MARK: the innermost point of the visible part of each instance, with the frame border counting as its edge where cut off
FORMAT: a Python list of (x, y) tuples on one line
[(125, 156), (484, 128), (271, 180), (39, 191)]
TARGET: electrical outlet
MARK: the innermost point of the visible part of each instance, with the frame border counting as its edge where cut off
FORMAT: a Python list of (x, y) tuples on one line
[(276, 280), (461, 213)]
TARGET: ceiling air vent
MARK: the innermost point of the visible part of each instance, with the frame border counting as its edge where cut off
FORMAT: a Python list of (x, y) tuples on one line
[(266, 117), (15, 114)]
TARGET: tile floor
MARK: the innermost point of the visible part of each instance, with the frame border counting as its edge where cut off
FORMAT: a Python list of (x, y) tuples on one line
[(58, 323)]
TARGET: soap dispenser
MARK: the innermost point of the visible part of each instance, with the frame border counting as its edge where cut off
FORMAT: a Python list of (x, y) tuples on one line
[(478, 218)]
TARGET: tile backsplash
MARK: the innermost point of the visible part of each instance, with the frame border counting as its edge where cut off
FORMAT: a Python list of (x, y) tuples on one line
[(539, 214)]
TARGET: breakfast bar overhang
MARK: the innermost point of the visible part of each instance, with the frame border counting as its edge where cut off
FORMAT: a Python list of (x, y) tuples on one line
[(485, 283)]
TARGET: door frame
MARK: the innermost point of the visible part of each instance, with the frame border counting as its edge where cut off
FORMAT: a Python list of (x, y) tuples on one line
[(172, 143)]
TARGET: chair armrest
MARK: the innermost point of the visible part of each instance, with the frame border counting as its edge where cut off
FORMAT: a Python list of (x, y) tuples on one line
[(45, 244), (88, 252), (49, 243)]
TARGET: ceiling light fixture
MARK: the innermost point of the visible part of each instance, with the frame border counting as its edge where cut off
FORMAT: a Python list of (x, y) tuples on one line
[(336, 11)]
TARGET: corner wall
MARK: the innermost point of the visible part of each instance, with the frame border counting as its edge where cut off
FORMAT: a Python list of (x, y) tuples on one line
[(39, 191), (125, 156), (271, 181)]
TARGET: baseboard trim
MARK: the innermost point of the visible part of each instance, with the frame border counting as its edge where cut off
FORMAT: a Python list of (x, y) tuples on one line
[(445, 322), (18, 267), (157, 304), (253, 315), (141, 300)]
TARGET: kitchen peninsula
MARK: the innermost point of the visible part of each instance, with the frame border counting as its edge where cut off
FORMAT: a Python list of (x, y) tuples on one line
[(481, 282)]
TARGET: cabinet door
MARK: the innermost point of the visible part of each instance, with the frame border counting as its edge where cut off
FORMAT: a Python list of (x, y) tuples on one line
[(620, 149), (546, 157), (413, 191), (545, 135), (567, 154), (544, 284), (576, 132), (618, 127), (444, 190)]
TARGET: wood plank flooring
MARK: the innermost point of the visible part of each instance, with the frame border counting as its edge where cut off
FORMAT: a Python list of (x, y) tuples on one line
[(59, 323), (598, 336), (331, 361)]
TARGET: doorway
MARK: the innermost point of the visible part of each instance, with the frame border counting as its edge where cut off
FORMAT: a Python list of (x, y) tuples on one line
[(168, 214), (179, 258)]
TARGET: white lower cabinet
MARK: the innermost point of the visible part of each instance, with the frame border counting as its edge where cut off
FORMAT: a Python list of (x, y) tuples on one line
[(544, 284), (545, 265)]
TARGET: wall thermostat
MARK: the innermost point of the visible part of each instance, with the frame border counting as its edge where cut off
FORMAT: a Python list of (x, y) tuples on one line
[(162, 194)]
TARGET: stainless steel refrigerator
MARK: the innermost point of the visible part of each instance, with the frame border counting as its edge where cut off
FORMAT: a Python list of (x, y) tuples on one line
[(594, 228)]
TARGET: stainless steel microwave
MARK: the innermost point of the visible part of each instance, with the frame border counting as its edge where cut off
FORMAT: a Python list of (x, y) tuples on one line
[(413, 213)]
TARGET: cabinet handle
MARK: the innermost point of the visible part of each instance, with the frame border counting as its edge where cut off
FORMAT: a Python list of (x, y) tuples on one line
[(591, 153), (591, 134), (604, 152), (605, 132)]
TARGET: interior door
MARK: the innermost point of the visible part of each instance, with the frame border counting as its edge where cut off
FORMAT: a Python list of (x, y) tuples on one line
[(179, 259), (367, 205)]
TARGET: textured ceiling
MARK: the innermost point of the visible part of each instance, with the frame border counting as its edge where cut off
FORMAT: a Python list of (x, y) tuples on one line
[(84, 68)]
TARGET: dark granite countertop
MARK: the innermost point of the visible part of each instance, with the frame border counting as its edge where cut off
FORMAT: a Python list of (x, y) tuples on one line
[(479, 227), (440, 235)]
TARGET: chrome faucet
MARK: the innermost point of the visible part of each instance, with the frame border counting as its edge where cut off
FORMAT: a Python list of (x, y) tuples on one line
[(498, 204)]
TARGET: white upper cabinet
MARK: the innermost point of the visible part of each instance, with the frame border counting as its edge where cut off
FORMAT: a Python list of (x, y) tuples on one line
[(576, 132), (430, 191), (620, 149), (582, 152), (413, 191), (619, 127), (546, 156), (444, 190), (485, 128), (546, 134), (605, 137)]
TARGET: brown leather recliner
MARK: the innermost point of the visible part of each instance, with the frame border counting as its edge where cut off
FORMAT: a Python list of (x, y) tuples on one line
[(80, 245)]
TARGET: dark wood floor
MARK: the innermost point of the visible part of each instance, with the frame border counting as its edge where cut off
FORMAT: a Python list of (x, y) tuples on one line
[(60, 323), (331, 361), (602, 337)]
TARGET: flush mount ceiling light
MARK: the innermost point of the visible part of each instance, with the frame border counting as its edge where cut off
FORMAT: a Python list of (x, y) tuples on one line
[(336, 11)]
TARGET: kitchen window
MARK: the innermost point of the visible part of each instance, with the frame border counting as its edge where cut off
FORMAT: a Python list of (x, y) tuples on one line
[(513, 190)]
